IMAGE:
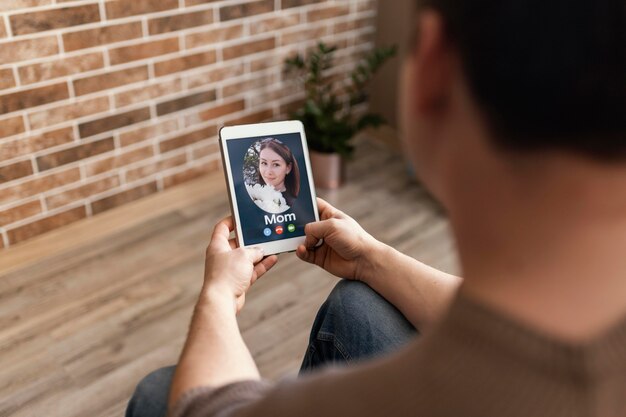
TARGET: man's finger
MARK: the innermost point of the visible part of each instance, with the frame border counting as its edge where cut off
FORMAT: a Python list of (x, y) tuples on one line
[(233, 243), (262, 267), (221, 232), (254, 255), (318, 230), (310, 241), (313, 256), (305, 255), (326, 210)]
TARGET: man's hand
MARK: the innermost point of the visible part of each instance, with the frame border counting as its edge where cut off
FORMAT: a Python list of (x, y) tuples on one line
[(347, 249), (419, 291), (215, 353), (230, 271)]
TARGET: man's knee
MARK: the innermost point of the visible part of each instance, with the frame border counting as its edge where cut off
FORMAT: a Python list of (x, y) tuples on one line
[(352, 300), (356, 311), (355, 323), (151, 394)]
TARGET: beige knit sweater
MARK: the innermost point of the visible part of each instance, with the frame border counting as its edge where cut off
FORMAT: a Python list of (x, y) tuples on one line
[(475, 363)]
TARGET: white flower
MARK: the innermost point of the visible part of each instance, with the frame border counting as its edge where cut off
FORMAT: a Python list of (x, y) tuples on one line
[(267, 198)]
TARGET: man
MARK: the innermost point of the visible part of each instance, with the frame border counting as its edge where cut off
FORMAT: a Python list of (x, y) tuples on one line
[(515, 117)]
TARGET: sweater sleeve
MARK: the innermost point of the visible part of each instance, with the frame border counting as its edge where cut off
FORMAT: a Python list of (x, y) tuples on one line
[(334, 391), (219, 402), (346, 391)]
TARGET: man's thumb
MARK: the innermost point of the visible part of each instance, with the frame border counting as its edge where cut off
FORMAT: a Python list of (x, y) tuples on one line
[(255, 254)]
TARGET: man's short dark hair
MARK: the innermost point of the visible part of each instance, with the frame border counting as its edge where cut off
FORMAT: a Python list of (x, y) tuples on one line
[(547, 73)]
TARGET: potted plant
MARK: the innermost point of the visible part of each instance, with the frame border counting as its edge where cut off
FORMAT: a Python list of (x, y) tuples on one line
[(329, 111)]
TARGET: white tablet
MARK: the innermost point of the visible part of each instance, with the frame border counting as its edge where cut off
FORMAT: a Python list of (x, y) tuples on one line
[(268, 175)]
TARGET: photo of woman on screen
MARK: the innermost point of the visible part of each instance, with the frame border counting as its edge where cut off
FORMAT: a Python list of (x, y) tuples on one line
[(276, 184)]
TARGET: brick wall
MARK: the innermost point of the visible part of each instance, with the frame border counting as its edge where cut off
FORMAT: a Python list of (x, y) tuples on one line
[(104, 102)]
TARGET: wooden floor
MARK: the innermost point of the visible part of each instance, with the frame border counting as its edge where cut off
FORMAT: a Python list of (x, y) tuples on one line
[(86, 311)]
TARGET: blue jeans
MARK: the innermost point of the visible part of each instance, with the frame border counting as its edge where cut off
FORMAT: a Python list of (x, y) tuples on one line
[(354, 323)]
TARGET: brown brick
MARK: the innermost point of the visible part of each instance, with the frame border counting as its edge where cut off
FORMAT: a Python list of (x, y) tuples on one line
[(116, 9), (33, 97), (248, 85), (3, 30), (222, 110), (143, 50), (187, 139), (124, 197), (346, 26), (11, 126), (195, 2), (118, 160), (20, 212), (353, 24), (110, 79), (148, 132), (81, 192), (275, 23), (368, 5), (327, 12), (66, 112), (185, 102), (74, 154), (364, 38), (60, 67), (28, 49), (302, 35), (345, 59), (256, 117), (246, 9), (38, 185), (248, 48), (14, 171), (101, 36), (366, 22), (276, 59), (273, 94), (137, 95), (7, 5), (160, 165), (205, 150), (113, 122), (291, 106), (286, 4), (191, 173), (213, 36), (40, 21), (180, 21), (25, 146), (220, 73), (44, 225), (6, 79), (184, 63)]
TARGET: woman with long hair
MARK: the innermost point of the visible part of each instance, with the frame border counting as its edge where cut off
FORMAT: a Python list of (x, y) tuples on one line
[(279, 168)]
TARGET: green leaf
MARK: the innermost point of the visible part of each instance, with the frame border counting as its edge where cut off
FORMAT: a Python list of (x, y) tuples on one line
[(295, 63), (369, 120), (327, 113), (311, 107)]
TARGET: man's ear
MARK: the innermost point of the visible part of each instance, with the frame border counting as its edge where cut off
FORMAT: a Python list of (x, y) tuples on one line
[(432, 65)]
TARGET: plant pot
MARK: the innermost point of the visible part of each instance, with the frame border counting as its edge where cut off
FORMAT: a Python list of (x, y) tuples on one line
[(329, 170)]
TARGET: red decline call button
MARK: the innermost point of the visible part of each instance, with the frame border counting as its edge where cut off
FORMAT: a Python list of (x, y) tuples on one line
[(279, 230)]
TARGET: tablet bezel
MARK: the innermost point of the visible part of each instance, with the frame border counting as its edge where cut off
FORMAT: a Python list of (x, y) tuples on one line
[(264, 129)]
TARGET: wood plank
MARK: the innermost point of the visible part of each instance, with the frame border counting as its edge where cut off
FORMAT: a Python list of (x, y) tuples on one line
[(88, 310), (75, 235)]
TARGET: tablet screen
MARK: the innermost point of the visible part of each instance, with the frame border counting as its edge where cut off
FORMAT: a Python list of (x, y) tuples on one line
[(271, 187)]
